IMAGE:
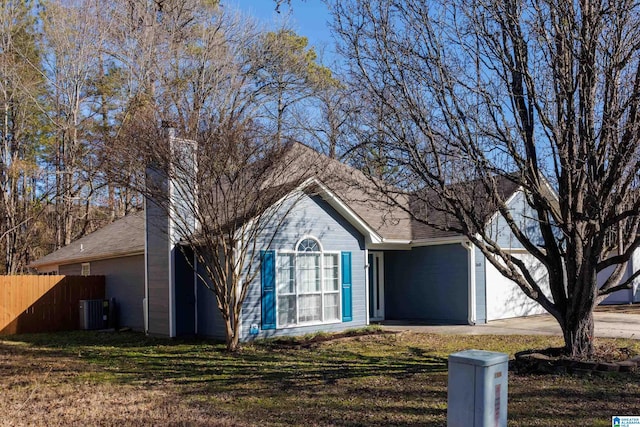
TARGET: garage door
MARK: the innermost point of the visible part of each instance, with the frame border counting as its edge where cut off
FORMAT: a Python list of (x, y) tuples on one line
[(505, 299), (624, 296)]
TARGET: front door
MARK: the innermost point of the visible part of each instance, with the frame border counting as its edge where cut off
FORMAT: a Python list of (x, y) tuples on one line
[(376, 286)]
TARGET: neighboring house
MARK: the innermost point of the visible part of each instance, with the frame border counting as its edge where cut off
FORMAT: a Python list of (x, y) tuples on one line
[(373, 263)]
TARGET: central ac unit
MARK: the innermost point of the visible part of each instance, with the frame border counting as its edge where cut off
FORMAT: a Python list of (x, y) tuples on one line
[(94, 314)]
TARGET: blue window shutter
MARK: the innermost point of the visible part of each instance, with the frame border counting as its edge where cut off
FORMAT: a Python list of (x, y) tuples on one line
[(347, 305), (268, 278)]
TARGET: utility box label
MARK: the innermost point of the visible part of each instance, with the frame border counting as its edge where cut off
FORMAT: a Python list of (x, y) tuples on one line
[(496, 413)]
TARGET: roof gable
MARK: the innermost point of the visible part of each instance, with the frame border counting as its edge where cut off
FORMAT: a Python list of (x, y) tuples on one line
[(394, 221)]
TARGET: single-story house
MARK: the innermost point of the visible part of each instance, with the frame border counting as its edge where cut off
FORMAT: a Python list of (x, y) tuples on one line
[(337, 263)]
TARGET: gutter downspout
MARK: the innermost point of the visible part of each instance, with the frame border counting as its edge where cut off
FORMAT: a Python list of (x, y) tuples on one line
[(195, 292), (240, 284), (173, 240), (633, 266), (366, 284), (145, 301), (472, 281)]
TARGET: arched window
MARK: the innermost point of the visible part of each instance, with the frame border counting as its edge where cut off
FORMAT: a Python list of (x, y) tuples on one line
[(308, 245), (308, 285)]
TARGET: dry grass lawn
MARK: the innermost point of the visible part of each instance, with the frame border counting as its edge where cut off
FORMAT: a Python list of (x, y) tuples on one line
[(115, 379)]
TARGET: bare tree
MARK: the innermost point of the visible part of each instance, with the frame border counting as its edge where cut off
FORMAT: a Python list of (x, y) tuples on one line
[(72, 39), (229, 206), (20, 134), (542, 94), (325, 121), (73, 74), (230, 195)]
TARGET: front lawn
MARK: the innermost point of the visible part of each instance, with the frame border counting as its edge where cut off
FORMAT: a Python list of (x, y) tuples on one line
[(97, 378)]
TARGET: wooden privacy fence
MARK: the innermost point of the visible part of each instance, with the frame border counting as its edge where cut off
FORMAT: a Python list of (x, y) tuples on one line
[(44, 303)]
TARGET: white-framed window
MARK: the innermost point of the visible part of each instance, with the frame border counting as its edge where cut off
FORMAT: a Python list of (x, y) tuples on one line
[(308, 285), (85, 269)]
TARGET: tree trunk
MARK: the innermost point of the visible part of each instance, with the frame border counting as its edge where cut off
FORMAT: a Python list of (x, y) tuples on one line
[(578, 334), (232, 337)]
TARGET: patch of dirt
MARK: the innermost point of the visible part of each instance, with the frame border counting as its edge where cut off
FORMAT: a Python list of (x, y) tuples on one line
[(312, 340), (606, 359)]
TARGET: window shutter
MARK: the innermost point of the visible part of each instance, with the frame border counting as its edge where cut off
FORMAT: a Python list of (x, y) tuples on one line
[(268, 278), (347, 310)]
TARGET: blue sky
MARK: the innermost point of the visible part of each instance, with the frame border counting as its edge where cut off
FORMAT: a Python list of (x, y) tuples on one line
[(308, 18)]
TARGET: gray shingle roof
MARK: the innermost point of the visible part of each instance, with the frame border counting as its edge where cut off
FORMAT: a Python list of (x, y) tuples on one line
[(120, 238), (428, 205), (390, 221), (359, 193)]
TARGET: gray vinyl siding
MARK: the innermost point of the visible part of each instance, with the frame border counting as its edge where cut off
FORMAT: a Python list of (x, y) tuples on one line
[(124, 281), (311, 216), (182, 186), (185, 299), (158, 267), (210, 322), (524, 216), (163, 232), (481, 283), (71, 269), (428, 283)]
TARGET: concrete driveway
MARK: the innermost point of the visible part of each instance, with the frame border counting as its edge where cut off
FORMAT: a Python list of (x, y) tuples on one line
[(610, 322)]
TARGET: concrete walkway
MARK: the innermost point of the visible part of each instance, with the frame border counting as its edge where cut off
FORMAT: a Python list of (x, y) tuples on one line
[(608, 323)]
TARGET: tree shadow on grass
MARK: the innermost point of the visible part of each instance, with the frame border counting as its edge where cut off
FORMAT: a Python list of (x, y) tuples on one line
[(338, 384), (580, 399), (71, 339)]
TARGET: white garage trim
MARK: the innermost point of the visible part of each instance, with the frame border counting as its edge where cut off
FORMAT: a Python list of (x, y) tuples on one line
[(471, 262)]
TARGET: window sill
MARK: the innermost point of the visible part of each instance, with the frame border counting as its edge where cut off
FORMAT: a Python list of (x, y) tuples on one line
[(304, 325)]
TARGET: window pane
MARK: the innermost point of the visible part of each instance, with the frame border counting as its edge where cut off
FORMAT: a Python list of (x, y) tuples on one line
[(309, 271), (331, 282), (286, 274), (308, 245), (287, 310), (331, 307), (310, 309)]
